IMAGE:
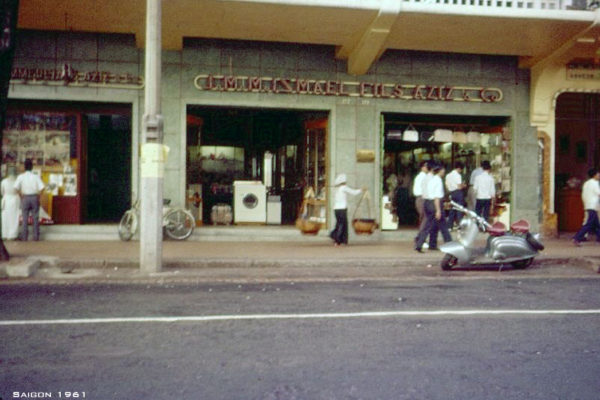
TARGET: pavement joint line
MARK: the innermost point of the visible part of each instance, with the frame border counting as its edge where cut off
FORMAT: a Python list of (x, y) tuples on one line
[(201, 280), (254, 317)]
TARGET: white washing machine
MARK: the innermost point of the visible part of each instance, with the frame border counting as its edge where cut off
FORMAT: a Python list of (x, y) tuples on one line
[(249, 202)]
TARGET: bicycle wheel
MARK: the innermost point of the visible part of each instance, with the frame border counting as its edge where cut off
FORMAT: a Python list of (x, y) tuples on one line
[(179, 224), (128, 225)]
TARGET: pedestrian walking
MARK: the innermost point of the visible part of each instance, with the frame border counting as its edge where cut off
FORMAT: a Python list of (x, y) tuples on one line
[(590, 195), (419, 184), (340, 207), (29, 186), (403, 195), (10, 205), (485, 191), (455, 187), (433, 205), (471, 199)]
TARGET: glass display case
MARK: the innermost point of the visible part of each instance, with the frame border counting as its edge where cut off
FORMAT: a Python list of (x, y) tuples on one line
[(315, 158)]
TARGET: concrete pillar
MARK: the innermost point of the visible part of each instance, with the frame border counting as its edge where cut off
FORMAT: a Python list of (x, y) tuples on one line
[(152, 157)]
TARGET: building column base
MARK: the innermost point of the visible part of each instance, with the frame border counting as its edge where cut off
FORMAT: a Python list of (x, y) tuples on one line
[(549, 227)]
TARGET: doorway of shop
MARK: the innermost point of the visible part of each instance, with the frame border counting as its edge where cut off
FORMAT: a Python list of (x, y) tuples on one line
[(409, 139), (274, 155), (577, 149), (107, 166)]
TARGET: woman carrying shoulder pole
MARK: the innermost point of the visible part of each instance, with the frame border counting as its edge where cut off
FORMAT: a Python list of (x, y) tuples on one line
[(340, 207)]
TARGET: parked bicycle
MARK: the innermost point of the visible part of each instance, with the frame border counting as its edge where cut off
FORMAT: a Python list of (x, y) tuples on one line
[(178, 223)]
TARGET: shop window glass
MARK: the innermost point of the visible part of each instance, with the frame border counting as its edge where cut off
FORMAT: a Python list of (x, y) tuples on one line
[(470, 142), (50, 140)]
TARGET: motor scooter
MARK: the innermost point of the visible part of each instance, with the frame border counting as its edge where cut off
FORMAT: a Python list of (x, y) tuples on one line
[(517, 247)]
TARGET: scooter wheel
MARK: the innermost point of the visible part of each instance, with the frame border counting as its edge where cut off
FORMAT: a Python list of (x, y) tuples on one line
[(448, 262), (522, 264)]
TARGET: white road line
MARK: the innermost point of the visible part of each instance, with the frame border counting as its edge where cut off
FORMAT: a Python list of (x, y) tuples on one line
[(250, 317)]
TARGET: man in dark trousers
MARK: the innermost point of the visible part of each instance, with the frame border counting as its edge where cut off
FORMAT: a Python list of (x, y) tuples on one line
[(29, 186), (590, 195), (455, 187), (485, 191), (434, 217)]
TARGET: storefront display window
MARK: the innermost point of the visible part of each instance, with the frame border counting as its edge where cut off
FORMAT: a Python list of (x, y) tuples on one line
[(81, 151), (50, 141), (282, 150), (448, 140)]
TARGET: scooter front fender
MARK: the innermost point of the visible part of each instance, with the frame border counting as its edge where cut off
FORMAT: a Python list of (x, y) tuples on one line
[(458, 250)]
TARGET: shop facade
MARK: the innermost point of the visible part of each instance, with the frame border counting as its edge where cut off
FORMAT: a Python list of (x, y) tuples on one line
[(74, 112), (288, 117), (564, 104)]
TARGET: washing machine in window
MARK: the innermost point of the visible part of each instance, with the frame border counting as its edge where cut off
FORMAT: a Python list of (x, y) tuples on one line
[(249, 202)]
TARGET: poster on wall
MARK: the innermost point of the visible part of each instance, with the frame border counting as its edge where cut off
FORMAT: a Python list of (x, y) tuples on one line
[(56, 150), (10, 145), (70, 184), (42, 137)]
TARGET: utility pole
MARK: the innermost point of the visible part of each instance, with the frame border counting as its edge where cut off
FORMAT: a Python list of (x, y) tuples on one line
[(153, 153)]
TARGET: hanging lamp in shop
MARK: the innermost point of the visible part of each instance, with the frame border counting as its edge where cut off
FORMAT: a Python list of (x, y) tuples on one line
[(442, 135), (473, 137), (459, 136), (410, 134), (394, 135)]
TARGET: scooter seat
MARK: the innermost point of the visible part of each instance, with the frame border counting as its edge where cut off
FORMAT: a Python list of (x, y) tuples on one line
[(520, 226), (497, 229)]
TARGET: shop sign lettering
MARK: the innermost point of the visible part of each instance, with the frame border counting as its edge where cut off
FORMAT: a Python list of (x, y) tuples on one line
[(583, 70), (230, 83), (69, 76)]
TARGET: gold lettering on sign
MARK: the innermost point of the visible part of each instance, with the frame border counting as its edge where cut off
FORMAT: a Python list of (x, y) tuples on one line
[(378, 90), (68, 76)]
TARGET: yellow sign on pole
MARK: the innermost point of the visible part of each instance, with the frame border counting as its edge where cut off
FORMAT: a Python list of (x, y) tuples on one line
[(153, 159)]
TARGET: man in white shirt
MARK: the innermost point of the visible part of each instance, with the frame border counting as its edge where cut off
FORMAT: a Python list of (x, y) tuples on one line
[(418, 185), (471, 192), (434, 218), (485, 191), (590, 195), (29, 186), (455, 187)]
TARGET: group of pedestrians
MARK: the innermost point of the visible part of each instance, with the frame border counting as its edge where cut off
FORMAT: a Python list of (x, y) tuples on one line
[(429, 190), (21, 193)]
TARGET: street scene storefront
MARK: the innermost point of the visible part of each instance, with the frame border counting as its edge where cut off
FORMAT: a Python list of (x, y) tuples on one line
[(251, 126)]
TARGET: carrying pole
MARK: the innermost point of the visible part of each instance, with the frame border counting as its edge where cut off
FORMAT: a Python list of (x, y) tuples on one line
[(153, 154)]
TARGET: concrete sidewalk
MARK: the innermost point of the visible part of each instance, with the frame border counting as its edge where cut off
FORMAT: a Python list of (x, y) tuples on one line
[(109, 261)]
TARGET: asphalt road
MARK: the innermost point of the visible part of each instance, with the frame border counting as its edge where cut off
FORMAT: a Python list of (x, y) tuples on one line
[(453, 338)]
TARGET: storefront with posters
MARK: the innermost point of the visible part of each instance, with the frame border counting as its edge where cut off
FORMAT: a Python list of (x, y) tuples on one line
[(76, 120), (81, 151), (288, 117)]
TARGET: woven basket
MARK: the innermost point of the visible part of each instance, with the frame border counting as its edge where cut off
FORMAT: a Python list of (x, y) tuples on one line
[(308, 227), (364, 226)]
